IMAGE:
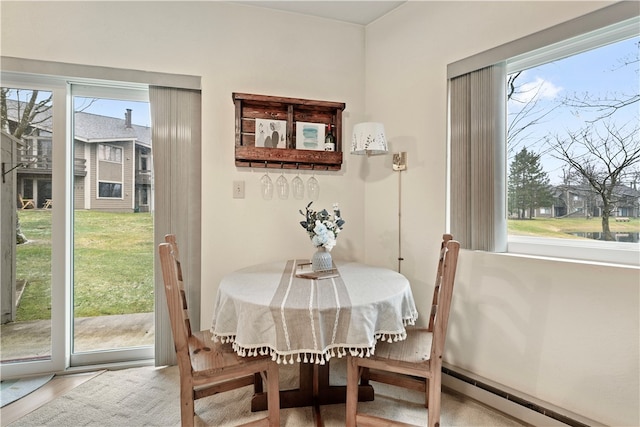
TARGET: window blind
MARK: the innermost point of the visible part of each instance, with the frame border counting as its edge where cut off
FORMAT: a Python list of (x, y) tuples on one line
[(477, 103), (176, 136)]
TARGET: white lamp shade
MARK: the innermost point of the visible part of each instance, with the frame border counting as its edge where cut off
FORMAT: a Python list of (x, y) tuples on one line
[(369, 138)]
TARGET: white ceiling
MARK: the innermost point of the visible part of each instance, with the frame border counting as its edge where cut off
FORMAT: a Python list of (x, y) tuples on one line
[(356, 12)]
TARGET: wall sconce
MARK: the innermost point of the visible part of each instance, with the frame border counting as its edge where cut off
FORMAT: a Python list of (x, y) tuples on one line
[(399, 165), (400, 161), (369, 139)]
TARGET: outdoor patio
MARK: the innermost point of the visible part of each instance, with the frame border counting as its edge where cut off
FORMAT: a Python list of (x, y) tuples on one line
[(26, 340)]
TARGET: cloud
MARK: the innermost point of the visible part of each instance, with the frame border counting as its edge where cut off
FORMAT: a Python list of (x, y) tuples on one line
[(537, 89)]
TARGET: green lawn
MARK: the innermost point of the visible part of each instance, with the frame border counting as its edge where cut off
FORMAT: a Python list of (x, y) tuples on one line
[(113, 264), (114, 258), (561, 227)]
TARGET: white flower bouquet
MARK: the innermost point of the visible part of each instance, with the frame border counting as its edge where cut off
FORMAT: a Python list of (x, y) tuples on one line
[(322, 227)]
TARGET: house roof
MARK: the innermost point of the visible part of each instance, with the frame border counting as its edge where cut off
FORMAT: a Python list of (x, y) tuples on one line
[(95, 128), (90, 127), (619, 190)]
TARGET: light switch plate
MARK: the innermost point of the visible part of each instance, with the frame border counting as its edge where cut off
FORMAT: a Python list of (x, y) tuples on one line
[(238, 189)]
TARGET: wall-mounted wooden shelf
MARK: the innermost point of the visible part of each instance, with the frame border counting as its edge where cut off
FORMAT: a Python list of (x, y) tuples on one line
[(292, 110)]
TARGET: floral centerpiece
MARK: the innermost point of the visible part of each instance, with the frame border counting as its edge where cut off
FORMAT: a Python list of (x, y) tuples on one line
[(322, 228)]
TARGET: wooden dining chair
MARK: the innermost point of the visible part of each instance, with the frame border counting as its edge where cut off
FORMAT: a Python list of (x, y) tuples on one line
[(414, 363), (207, 367)]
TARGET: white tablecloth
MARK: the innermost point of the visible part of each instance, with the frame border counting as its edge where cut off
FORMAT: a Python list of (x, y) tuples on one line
[(266, 309)]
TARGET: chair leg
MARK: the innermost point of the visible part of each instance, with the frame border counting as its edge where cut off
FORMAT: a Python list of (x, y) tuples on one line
[(273, 394), (187, 409), (434, 390), (352, 391)]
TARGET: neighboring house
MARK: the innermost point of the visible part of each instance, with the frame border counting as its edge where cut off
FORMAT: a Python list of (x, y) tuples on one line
[(581, 200), (112, 164)]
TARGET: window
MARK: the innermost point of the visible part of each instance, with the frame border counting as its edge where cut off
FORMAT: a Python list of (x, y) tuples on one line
[(144, 196), (109, 190), (144, 162), (530, 176), (27, 188), (573, 146), (110, 153)]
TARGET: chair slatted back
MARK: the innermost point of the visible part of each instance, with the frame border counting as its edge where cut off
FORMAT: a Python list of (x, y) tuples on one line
[(436, 291), (177, 312), (171, 239), (443, 293)]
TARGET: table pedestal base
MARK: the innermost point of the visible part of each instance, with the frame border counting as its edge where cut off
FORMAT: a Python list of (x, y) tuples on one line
[(314, 390)]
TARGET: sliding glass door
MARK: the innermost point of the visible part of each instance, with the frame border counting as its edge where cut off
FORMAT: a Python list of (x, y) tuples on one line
[(112, 292), (33, 271), (27, 171), (77, 200)]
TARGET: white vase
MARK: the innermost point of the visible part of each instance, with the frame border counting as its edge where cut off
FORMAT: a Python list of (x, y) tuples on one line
[(321, 260)]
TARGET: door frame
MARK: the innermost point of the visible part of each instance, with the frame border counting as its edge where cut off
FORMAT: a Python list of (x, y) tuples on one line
[(62, 180), (59, 228)]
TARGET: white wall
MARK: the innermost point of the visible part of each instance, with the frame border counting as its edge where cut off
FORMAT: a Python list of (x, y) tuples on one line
[(235, 49), (565, 333)]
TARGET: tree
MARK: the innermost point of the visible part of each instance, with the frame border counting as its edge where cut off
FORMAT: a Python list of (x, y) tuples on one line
[(528, 187), (526, 99), (605, 152), (27, 112), (19, 111), (605, 106), (605, 157)]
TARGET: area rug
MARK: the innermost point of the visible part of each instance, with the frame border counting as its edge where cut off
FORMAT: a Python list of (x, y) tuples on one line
[(150, 397), (12, 390)]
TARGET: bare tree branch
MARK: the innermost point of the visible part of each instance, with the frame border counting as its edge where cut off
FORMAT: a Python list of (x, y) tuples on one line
[(604, 157)]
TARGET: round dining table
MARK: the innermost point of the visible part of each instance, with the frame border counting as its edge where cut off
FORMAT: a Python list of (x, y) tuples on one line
[(297, 316)]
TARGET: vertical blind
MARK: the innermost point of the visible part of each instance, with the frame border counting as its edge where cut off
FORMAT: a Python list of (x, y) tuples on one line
[(477, 120), (477, 103), (176, 136)]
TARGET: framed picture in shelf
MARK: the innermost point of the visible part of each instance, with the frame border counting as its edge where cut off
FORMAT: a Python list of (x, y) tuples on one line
[(310, 136), (271, 133)]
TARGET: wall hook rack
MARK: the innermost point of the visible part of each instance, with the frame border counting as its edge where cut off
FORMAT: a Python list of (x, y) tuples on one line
[(293, 112)]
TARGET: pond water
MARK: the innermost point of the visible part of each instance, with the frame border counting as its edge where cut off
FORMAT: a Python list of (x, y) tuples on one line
[(620, 237)]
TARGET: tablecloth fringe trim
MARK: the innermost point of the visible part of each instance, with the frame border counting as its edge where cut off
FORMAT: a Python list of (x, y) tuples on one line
[(391, 336), (410, 321), (308, 356), (315, 357)]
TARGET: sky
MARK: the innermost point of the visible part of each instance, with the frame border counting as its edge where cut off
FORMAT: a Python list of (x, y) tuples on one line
[(600, 73), (115, 108)]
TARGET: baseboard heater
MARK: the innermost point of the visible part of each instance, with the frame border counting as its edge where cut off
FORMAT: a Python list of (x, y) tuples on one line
[(515, 399)]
